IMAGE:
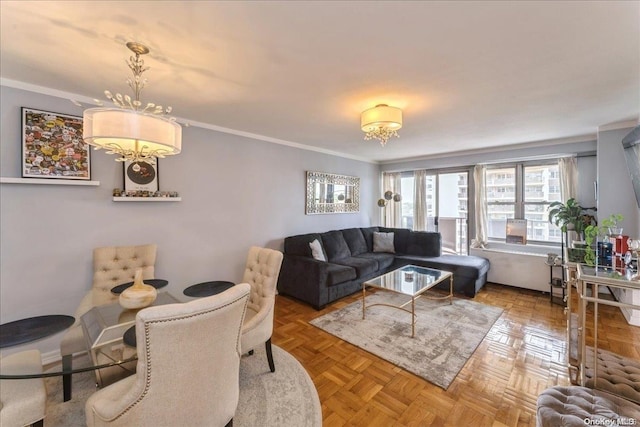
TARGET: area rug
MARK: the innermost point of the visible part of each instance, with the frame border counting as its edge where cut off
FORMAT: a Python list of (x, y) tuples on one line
[(286, 397), (446, 335)]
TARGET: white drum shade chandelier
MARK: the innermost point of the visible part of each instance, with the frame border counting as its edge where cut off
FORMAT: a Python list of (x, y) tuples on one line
[(134, 132), (381, 122)]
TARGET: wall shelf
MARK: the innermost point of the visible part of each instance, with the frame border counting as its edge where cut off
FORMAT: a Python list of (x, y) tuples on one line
[(8, 180), (147, 199)]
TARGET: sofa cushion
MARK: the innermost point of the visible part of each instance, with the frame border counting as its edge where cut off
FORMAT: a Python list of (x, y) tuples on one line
[(339, 273), (364, 266), (400, 238), (367, 233), (335, 246), (423, 243), (355, 241), (468, 266), (317, 251), (383, 242), (384, 260), (299, 245)]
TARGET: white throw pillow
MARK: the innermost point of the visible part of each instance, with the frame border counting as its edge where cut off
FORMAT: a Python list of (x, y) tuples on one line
[(383, 242), (316, 250)]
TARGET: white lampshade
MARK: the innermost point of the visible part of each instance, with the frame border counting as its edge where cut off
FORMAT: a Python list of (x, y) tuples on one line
[(122, 131), (381, 116)]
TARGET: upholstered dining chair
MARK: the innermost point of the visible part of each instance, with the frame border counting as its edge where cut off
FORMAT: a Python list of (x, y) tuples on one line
[(188, 366), (261, 272), (112, 266), (22, 402)]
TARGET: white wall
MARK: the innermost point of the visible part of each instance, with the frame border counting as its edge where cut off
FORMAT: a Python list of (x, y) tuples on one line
[(236, 192)]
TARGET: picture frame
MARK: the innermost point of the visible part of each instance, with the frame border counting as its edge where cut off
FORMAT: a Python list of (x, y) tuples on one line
[(52, 146), (141, 177), (517, 231)]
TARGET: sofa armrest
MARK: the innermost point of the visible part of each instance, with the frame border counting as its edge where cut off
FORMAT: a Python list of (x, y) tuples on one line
[(305, 279)]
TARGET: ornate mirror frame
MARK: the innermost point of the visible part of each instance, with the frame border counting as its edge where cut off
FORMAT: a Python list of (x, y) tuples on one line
[(329, 193)]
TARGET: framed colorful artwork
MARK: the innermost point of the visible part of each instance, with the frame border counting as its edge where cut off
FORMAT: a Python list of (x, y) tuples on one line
[(52, 146), (141, 177)]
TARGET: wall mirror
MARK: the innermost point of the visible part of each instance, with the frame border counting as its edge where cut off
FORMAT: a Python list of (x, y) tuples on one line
[(330, 193)]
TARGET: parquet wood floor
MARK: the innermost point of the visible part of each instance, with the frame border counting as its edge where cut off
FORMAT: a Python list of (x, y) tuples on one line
[(523, 354)]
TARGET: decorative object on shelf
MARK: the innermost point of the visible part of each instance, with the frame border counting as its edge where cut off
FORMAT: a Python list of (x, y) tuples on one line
[(140, 176), (139, 295), (602, 252), (516, 231), (136, 133), (118, 192), (52, 146), (388, 196), (331, 193), (381, 122)]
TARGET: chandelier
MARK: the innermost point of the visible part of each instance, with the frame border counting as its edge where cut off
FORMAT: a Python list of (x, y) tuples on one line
[(381, 122), (134, 132)]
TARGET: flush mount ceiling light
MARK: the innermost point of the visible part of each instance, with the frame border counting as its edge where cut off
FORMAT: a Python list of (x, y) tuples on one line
[(136, 133), (381, 122)]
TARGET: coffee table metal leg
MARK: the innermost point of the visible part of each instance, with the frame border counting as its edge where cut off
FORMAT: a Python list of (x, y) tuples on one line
[(451, 290), (413, 317), (363, 307), (67, 364)]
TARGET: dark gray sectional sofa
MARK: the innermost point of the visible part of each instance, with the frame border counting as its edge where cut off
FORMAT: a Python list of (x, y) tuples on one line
[(351, 260)]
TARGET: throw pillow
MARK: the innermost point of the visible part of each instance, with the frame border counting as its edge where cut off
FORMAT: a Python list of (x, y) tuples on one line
[(316, 250), (383, 242)]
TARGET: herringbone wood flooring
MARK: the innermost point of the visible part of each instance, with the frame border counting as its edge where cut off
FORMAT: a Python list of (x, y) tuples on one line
[(523, 354)]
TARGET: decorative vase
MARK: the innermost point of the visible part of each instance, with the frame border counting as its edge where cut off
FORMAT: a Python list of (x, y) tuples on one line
[(138, 295)]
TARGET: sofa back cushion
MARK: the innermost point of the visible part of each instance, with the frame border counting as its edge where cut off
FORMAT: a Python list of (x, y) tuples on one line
[(355, 241), (335, 246), (424, 243), (299, 245), (367, 233), (400, 238)]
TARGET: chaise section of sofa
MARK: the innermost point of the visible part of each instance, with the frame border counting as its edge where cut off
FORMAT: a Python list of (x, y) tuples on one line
[(349, 259)]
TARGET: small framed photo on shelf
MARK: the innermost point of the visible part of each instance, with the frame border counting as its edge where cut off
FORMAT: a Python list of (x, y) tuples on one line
[(52, 146), (140, 176)]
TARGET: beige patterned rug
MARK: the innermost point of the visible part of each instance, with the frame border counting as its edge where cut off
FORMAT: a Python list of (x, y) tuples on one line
[(286, 397), (446, 335)]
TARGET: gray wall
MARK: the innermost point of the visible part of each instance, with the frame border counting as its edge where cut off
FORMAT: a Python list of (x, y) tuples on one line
[(615, 191), (236, 192)]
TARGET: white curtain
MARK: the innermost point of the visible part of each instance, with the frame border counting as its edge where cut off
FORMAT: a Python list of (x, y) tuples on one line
[(479, 178), (393, 210), (568, 167), (420, 200)]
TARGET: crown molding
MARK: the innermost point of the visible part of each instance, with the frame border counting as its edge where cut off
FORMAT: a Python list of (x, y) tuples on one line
[(75, 97)]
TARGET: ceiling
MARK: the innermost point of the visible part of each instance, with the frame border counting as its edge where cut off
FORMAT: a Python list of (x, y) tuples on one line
[(468, 75)]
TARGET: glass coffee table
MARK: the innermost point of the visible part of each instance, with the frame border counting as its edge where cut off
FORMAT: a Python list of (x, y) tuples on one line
[(412, 281)]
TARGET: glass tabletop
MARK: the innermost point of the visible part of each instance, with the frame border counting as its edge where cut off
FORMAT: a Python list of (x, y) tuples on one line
[(27, 375), (409, 280), (618, 276)]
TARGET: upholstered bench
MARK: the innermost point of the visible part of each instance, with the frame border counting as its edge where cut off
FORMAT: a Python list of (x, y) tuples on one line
[(616, 374), (579, 406), (22, 402)]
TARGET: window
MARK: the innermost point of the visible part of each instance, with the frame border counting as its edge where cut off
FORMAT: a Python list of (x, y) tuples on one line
[(523, 191)]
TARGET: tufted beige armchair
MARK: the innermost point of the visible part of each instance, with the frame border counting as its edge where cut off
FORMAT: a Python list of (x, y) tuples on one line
[(188, 367), (261, 272), (22, 402), (112, 266)]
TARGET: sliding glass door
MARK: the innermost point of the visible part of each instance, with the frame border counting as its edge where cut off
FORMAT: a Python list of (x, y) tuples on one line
[(446, 210)]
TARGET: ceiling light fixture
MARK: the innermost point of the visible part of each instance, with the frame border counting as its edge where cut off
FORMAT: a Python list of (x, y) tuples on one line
[(136, 133), (381, 122)]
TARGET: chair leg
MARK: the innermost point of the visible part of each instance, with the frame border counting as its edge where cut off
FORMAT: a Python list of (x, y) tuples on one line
[(38, 423), (67, 364), (267, 346), (230, 423)]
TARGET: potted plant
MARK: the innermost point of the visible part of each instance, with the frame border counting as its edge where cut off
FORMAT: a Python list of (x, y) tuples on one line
[(567, 216)]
